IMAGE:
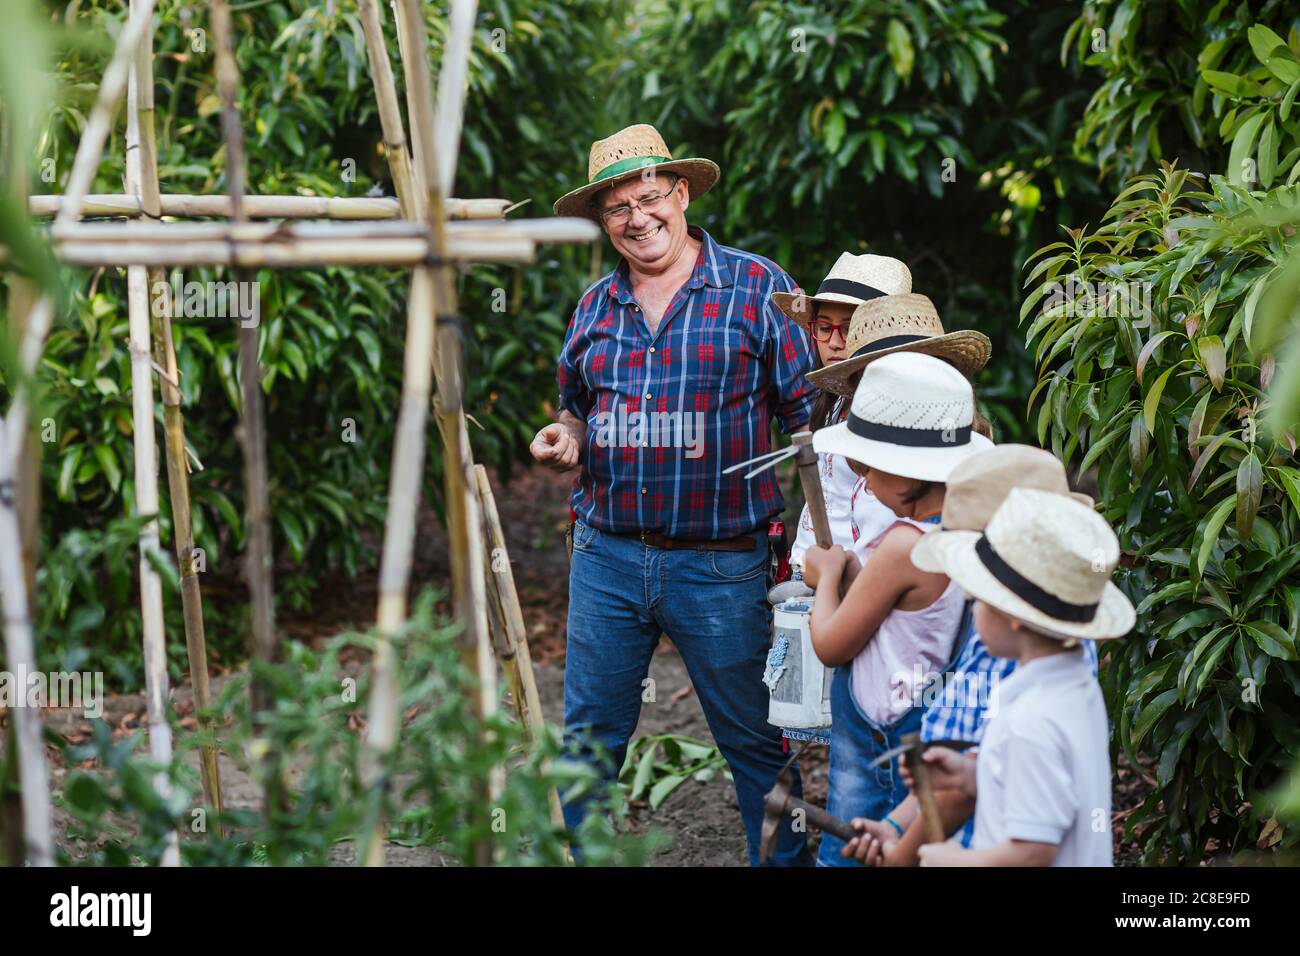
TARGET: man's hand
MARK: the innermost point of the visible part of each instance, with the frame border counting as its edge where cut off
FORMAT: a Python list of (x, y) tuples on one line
[(949, 770), (942, 854), (556, 447)]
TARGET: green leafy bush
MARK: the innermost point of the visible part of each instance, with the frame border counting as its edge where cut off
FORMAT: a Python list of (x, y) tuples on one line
[(1166, 407)]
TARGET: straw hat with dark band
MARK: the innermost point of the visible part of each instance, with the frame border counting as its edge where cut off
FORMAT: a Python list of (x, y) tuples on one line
[(851, 281), (900, 323), (979, 484), (627, 154), (1045, 560)]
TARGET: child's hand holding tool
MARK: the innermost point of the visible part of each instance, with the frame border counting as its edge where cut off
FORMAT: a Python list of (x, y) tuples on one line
[(949, 770)]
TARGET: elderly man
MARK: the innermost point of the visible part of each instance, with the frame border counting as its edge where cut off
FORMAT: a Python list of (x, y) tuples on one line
[(672, 369)]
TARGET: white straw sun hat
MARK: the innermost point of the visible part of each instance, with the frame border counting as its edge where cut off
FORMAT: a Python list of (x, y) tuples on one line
[(911, 416), (851, 281), (1045, 560), (979, 485), (900, 323)]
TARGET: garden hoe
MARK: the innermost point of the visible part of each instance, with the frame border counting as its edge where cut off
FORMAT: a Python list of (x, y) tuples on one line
[(778, 804)]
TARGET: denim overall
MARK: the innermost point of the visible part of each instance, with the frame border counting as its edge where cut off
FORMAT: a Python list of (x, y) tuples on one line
[(856, 789)]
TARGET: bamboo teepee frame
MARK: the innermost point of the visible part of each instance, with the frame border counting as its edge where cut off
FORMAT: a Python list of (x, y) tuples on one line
[(425, 239)]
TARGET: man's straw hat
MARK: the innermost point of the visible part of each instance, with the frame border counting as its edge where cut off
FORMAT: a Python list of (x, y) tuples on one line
[(900, 323), (631, 152), (911, 416), (978, 485), (851, 281), (1045, 560)]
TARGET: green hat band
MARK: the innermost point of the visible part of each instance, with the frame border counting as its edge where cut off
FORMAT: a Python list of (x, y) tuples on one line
[(632, 162)]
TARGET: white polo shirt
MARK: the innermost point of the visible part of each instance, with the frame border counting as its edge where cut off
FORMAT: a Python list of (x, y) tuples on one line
[(1044, 764)]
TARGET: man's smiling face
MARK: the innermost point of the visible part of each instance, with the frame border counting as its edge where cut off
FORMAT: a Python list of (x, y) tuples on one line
[(649, 239)]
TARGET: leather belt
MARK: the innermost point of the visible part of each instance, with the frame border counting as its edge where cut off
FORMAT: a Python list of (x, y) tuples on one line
[(742, 542)]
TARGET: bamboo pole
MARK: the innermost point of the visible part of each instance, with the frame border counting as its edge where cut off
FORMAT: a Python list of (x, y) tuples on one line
[(20, 656), (27, 499), (469, 595), (517, 659), (146, 491), (411, 81), (90, 149), (174, 431), (390, 116), (187, 205), (408, 447), (303, 253), (554, 230), (258, 568)]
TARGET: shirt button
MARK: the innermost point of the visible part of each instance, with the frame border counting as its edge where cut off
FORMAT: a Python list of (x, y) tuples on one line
[(642, 491), (652, 348), (647, 395), (645, 444)]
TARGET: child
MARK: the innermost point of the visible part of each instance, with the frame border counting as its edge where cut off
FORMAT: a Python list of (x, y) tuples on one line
[(909, 424), (958, 705), (825, 316), (1040, 574)]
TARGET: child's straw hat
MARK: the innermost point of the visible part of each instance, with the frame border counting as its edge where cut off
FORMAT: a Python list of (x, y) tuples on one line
[(851, 281), (626, 155), (980, 484), (1045, 560), (911, 416), (900, 323)]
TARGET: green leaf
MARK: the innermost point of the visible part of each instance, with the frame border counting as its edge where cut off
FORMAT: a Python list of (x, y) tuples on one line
[(1272, 639), (644, 771), (1152, 344), (1152, 713), (663, 787), (1152, 403), (1213, 525), (1213, 359), (1239, 159), (899, 43), (108, 466), (1250, 486)]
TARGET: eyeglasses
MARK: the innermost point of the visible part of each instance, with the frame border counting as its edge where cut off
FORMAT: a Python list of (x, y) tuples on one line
[(619, 215), (823, 329)]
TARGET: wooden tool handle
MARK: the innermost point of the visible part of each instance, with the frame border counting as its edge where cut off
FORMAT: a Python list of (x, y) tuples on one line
[(821, 819), (810, 478), (924, 790)]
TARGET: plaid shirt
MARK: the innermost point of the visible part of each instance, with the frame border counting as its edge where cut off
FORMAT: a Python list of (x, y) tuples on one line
[(667, 413), (961, 710)]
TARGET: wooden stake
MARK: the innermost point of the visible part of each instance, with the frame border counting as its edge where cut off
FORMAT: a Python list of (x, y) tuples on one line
[(184, 205), (390, 115), (178, 482), (258, 569), (20, 656), (146, 489)]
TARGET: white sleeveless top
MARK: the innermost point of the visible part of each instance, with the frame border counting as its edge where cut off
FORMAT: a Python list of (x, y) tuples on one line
[(854, 514), (887, 676)]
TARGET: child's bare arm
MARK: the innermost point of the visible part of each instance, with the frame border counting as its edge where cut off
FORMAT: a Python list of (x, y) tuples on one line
[(840, 629), (955, 809), (1010, 853)]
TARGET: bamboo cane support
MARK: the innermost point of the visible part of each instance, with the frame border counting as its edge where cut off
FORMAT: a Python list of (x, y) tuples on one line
[(557, 230), (27, 501), (90, 150), (252, 426), (20, 656), (178, 483), (517, 659), (144, 442), (190, 206), (390, 115), (469, 592)]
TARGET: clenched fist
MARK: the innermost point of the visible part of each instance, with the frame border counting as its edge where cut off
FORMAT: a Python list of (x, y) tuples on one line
[(556, 447)]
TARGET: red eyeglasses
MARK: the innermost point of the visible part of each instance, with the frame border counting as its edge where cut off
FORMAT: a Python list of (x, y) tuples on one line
[(824, 329)]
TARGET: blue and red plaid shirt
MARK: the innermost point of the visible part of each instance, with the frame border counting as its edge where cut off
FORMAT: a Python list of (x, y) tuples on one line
[(667, 413)]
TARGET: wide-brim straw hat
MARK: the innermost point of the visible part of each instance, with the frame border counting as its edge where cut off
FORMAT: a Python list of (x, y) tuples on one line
[(910, 416), (631, 152), (900, 323), (979, 485), (1045, 560), (851, 281)]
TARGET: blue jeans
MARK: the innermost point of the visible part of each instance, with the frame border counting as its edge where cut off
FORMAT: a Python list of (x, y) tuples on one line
[(856, 789), (713, 605)]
